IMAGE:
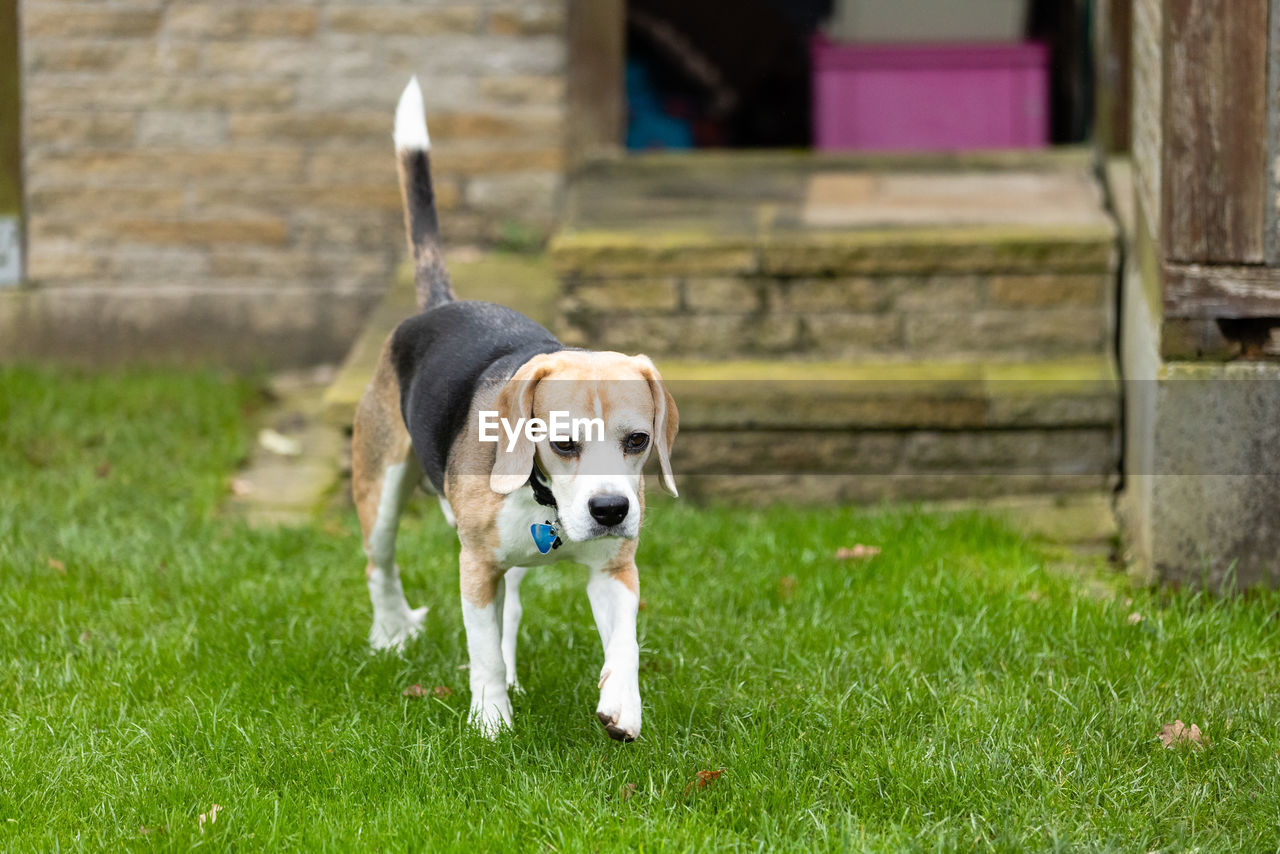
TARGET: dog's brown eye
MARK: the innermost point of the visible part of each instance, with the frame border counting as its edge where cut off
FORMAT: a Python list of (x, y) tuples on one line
[(565, 449), (635, 443)]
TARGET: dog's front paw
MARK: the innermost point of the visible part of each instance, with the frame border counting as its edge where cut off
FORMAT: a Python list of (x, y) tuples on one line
[(619, 707), (490, 711), (392, 632)]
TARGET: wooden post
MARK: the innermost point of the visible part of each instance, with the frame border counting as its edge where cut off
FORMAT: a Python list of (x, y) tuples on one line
[(1215, 130), (1271, 216), (1113, 40)]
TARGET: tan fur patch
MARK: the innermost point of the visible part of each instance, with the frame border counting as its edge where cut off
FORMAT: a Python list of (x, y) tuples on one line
[(379, 440), (478, 577)]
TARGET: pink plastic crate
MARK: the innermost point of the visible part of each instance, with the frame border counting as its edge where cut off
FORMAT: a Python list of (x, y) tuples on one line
[(934, 97)]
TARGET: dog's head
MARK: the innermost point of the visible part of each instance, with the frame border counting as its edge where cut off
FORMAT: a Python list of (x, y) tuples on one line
[(612, 411)]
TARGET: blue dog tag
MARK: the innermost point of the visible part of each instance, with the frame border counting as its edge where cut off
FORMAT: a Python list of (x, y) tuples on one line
[(544, 537)]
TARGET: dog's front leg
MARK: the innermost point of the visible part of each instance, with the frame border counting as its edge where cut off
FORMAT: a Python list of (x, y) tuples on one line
[(614, 592), (511, 613), (481, 584)]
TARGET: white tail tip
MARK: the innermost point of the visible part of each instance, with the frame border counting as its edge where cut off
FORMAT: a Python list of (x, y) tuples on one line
[(411, 122)]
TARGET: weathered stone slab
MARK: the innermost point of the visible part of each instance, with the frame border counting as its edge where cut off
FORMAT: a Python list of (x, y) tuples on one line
[(628, 254), (930, 251), (247, 328)]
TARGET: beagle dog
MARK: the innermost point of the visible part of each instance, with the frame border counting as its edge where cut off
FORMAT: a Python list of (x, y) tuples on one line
[(445, 378)]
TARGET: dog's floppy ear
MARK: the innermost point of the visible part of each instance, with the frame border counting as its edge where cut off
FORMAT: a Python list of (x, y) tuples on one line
[(515, 401), (666, 421)]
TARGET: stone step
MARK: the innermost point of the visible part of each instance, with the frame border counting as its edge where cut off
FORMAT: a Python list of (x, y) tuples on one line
[(862, 396), (898, 431), (837, 259)]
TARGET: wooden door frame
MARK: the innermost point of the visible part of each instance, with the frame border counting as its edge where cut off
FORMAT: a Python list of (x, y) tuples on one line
[(594, 88), (11, 189)]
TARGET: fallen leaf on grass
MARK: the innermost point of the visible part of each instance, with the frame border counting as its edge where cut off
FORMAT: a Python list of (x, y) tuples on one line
[(415, 690), (703, 779), (211, 816), (641, 605), (442, 691), (147, 831), (786, 586), (1178, 732), (627, 791), (58, 565), (240, 487), (857, 552), (103, 469), (277, 443)]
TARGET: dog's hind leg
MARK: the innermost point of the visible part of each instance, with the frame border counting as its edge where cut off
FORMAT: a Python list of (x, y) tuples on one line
[(384, 472), (511, 613)]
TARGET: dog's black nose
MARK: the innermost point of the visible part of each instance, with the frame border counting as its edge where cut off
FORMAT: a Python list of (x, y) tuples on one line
[(608, 510)]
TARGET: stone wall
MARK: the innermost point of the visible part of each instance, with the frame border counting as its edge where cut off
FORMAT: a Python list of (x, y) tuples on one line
[(244, 148)]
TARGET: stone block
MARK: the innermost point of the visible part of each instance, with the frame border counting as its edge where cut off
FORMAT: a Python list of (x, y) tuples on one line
[(1213, 472), (939, 251), (63, 131), (194, 232), (61, 260), (491, 160), (312, 128), (247, 328), (750, 452), (725, 295), (523, 89), (64, 93), (839, 336), (990, 332), (367, 165), (527, 20), (529, 125), (219, 20), (519, 195), (265, 57), (354, 199), (1026, 452), (84, 55), (699, 336), (830, 293), (660, 295), (398, 20), (610, 254), (164, 169), (49, 20), (225, 93), (1048, 290), (160, 265), (182, 128), (934, 293), (825, 489)]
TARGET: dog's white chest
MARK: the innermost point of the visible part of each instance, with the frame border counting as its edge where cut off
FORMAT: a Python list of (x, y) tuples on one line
[(516, 544)]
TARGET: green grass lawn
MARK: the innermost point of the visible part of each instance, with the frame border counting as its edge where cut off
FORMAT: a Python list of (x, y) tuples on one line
[(951, 693)]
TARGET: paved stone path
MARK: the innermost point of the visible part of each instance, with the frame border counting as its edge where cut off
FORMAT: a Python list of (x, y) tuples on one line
[(297, 458)]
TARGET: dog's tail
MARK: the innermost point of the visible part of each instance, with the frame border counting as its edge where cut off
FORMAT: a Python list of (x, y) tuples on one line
[(413, 157)]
